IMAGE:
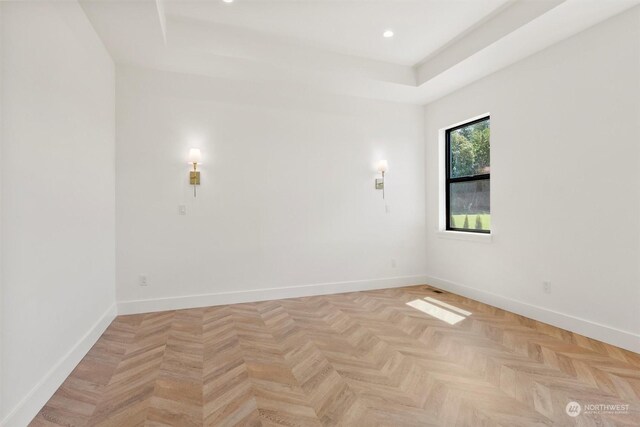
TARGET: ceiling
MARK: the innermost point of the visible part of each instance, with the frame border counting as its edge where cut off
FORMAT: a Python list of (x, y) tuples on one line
[(352, 27), (337, 46)]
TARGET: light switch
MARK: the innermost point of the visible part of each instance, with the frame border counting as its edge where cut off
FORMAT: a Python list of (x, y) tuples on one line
[(182, 210)]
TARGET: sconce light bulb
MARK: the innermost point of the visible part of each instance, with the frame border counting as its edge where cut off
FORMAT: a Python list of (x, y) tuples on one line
[(195, 156)]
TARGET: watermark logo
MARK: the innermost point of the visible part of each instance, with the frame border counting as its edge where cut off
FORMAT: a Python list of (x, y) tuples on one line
[(573, 409)]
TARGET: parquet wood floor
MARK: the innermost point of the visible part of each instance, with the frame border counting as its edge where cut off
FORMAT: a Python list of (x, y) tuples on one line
[(355, 359)]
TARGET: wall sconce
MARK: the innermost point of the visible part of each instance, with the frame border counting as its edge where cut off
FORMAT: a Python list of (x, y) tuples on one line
[(195, 157), (383, 166)]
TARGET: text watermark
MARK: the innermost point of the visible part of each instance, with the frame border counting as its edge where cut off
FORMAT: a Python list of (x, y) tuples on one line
[(573, 409)]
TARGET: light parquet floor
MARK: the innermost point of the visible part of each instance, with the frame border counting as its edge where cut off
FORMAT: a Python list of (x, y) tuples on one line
[(355, 359)]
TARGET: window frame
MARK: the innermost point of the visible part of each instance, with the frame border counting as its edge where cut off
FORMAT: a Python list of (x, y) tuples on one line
[(447, 170)]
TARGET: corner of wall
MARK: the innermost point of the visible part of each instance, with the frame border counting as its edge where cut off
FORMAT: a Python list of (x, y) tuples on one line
[(31, 404)]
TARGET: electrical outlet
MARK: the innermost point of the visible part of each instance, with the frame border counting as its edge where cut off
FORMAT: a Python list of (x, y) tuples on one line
[(142, 280), (546, 287), (182, 210), (393, 263)]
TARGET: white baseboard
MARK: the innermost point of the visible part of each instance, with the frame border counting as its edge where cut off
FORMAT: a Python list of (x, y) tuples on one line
[(206, 300), (31, 404), (620, 338)]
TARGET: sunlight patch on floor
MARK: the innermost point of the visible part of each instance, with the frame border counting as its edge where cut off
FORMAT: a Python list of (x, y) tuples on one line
[(436, 311), (449, 306)]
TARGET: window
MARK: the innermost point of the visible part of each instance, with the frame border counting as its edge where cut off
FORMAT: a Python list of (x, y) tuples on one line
[(468, 175)]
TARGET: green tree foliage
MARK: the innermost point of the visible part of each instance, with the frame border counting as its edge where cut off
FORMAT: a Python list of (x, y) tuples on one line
[(470, 150), (478, 222), (462, 155), (452, 222), (466, 222), (480, 141)]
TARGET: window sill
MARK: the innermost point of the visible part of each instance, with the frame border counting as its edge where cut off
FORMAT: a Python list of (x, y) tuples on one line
[(461, 235)]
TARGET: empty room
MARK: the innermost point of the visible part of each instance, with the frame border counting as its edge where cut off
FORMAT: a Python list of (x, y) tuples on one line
[(319, 213)]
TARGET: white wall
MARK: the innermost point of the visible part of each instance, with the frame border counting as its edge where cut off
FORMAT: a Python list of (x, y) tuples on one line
[(1, 273), (57, 198), (287, 196), (565, 192)]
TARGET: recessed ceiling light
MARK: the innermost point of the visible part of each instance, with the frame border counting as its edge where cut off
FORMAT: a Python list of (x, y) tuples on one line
[(387, 34), (228, 1)]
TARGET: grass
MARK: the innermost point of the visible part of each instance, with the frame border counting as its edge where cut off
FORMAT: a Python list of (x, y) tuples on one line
[(457, 221)]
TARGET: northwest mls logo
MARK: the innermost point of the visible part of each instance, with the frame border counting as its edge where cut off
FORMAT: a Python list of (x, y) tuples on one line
[(573, 409)]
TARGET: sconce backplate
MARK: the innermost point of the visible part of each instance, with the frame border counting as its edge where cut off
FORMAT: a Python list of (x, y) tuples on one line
[(194, 178), (379, 184)]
